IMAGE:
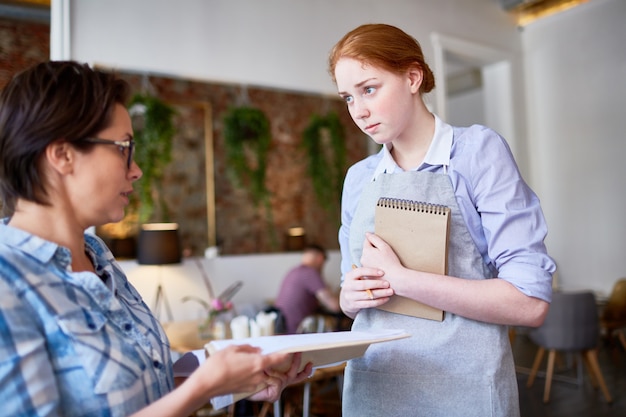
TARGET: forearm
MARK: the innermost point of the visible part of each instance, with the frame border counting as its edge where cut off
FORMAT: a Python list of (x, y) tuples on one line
[(489, 300)]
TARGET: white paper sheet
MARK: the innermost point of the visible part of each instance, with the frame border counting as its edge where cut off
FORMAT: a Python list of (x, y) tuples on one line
[(331, 342)]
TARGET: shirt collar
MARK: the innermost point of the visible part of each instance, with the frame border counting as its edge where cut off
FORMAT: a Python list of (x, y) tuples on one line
[(440, 147), (44, 250), (37, 247), (438, 153)]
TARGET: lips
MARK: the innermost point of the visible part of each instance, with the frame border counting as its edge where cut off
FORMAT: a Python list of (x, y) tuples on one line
[(371, 128), (126, 196)]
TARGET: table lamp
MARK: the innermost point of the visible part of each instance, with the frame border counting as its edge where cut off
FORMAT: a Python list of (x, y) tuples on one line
[(159, 244)]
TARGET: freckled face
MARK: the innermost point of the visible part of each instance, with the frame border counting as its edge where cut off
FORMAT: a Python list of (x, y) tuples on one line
[(380, 102)]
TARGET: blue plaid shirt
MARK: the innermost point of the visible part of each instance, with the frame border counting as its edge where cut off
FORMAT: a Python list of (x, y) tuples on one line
[(71, 343)]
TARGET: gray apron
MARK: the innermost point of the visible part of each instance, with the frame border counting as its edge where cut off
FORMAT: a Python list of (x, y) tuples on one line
[(458, 367)]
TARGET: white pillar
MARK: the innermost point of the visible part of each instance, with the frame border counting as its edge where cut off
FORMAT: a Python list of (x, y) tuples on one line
[(60, 30)]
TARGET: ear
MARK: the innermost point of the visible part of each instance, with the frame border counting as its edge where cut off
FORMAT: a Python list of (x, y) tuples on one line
[(416, 76), (60, 156)]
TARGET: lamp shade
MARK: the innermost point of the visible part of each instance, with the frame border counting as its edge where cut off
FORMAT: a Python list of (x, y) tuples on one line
[(158, 244)]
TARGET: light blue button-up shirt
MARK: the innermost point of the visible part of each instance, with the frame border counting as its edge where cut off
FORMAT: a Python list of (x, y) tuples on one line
[(502, 213), (71, 343)]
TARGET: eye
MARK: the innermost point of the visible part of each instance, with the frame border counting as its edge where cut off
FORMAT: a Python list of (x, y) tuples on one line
[(348, 99), (125, 147), (369, 90)]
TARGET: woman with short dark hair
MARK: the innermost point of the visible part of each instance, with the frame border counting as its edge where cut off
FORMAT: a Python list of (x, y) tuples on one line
[(76, 338)]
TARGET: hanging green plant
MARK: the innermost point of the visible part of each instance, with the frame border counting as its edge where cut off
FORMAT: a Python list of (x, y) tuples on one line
[(247, 138), (154, 130), (325, 145)]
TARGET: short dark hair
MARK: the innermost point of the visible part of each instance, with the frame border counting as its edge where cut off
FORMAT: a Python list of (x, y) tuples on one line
[(314, 247), (50, 101)]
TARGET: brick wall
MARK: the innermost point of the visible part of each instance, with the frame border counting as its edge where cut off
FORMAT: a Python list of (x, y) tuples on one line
[(241, 227), (22, 44)]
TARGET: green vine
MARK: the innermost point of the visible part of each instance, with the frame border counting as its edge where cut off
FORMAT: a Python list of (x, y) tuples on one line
[(325, 145), (247, 138), (153, 127)]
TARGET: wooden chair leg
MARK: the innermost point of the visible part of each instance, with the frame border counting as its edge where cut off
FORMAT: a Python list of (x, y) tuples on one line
[(594, 367), (559, 362), (288, 409), (535, 368), (549, 373), (592, 375), (512, 335), (264, 409)]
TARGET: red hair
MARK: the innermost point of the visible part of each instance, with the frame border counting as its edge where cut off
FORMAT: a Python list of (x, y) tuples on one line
[(383, 46)]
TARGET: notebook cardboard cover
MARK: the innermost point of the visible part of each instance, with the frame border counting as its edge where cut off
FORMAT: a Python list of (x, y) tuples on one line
[(418, 233)]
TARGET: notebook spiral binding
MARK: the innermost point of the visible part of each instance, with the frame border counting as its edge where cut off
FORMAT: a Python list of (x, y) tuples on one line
[(397, 203)]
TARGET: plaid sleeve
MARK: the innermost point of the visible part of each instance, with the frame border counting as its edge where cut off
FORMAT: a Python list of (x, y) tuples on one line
[(26, 376)]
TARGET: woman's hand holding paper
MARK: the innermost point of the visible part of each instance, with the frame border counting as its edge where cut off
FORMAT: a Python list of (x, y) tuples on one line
[(277, 380)]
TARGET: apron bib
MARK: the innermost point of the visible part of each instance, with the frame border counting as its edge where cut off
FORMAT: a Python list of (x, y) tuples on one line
[(457, 367)]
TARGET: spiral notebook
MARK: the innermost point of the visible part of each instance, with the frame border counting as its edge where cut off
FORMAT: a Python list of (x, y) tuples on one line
[(418, 233)]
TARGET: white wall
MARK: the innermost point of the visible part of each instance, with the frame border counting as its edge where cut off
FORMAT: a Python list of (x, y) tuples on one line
[(275, 43), (574, 65), (261, 276), (466, 108), (576, 78), (281, 44)]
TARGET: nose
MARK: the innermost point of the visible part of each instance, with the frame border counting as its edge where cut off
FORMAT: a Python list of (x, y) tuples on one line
[(359, 110), (135, 172)]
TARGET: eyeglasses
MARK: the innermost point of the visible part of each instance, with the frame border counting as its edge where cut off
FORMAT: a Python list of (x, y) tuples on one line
[(122, 144)]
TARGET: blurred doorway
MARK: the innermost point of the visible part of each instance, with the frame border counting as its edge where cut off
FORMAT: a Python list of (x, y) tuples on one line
[(474, 85)]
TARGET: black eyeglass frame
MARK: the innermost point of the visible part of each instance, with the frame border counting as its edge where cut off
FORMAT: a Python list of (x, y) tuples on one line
[(123, 144)]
